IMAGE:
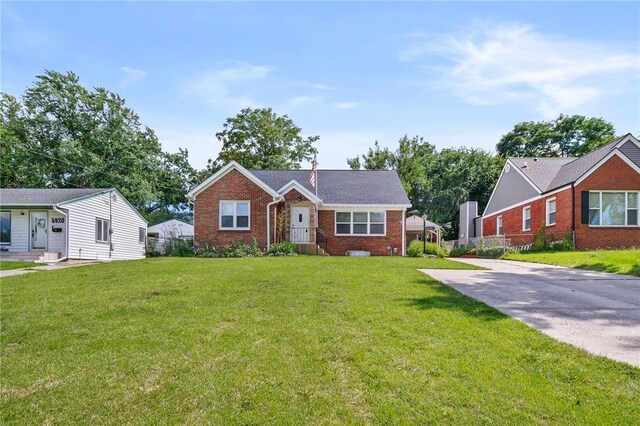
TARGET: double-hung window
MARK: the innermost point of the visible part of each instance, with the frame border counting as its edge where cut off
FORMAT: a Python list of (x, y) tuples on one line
[(234, 215), (551, 212), (526, 218), (360, 223), (102, 230), (499, 225), (5, 227), (613, 208), (142, 233)]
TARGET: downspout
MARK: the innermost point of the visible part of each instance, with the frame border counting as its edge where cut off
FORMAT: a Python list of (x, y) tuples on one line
[(275, 201), (193, 241), (66, 222), (404, 236), (573, 214)]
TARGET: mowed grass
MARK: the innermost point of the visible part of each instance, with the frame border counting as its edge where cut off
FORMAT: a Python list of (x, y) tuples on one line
[(319, 340), (618, 261), (6, 265)]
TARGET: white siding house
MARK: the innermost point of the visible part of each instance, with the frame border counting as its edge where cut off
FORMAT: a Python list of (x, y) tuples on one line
[(58, 224)]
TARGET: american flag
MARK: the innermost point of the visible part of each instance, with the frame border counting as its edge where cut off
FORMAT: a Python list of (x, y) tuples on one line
[(312, 176)]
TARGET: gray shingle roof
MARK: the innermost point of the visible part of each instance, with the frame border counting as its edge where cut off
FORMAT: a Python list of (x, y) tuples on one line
[(43, 196), (343, 186), (540, 171), (552, 173)]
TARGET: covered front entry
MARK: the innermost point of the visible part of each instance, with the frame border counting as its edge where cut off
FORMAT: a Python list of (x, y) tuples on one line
[(300, 225), (38, 227)]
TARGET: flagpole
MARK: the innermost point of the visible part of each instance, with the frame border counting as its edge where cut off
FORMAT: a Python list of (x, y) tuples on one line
[(315, 161)]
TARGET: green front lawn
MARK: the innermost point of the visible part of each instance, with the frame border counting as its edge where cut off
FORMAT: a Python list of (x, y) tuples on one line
[(295, 340), (6, 265), (618, 261)]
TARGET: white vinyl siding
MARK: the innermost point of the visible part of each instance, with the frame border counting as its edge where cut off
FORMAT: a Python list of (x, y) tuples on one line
[(125, 225), (613, 208), (57, 241), (526, 218), (551, 212), (372, 223), (235, 215)]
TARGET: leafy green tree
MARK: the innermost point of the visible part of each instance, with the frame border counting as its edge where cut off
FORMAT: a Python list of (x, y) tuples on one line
[(62, 135), (260, 139), (566, 136)]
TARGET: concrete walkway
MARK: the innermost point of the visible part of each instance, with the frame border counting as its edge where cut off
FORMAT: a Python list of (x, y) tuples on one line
[(596, 311), (46, 267)]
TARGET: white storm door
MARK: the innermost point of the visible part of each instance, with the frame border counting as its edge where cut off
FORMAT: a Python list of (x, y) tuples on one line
[(300, 225), (38, 230)]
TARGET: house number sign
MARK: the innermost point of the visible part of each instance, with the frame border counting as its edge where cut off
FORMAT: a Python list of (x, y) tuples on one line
[(57, 220)]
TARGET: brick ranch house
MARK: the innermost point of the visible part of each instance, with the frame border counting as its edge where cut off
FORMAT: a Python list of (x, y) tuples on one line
[(594, 198), (356, 209)]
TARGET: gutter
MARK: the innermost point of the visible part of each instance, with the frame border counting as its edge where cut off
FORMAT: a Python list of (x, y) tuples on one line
[(66, 220), (275, 201), (573, 214), (404, 232)]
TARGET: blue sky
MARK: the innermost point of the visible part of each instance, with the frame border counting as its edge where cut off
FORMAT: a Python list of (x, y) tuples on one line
[(456, 73)]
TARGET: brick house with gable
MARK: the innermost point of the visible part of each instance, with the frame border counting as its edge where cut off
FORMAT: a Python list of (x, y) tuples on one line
[(595, 198), (360, 210)]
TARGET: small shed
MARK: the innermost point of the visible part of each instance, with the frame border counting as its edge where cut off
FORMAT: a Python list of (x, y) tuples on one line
[(171, 229), (415, 229)]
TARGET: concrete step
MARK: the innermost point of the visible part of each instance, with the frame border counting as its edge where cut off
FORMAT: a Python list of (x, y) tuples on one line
[(24, 256)]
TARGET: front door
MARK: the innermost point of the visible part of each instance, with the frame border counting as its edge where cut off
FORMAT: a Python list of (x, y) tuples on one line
[(38, 230), (300, 225)]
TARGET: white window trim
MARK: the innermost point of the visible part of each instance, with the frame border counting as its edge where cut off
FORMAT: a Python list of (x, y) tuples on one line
[(235, 216), (626, 202), (546, 219), (523, 219), (101, 229), (499, 229), (351, 234), (142, 232), (10, 230)]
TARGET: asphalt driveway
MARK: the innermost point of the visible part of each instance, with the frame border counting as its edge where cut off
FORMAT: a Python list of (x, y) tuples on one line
[(596, 311)]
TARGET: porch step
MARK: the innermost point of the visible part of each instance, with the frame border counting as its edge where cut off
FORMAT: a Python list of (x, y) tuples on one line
[(24, 256), (49, 257)]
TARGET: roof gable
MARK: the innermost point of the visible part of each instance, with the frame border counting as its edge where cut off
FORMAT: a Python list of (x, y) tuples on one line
[(512, 188), (223, 172)]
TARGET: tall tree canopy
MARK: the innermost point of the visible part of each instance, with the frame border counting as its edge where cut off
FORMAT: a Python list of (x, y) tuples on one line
[(566, 136), (436, 182), (260, 139), (59, 134)]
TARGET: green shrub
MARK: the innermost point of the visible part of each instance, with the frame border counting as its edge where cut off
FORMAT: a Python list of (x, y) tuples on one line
[(540, 240), (208, 251), (491, 252), (283, 249), (182, 248), (461, 251), (417, 248), (242, 249)]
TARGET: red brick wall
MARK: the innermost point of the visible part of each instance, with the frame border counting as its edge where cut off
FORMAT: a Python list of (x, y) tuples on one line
[(294, 195), (339, 245), (615, 174), (512, 219), (233, 186)]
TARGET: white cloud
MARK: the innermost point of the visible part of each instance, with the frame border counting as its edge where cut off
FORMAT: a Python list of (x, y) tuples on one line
[(347, 105), (132, 75), (299, 101), (215, 86), (323, 87), (507, 62)]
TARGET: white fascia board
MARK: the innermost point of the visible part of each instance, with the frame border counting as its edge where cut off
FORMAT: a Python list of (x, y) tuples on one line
[(365, 206), (530, 200), (294, 184), (223, 172), (514, 167), (604, 160)]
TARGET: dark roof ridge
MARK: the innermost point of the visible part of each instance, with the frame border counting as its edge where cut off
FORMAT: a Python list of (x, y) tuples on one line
[(615, 141)]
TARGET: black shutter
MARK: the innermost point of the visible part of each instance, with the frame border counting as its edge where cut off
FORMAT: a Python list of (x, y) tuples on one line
[(584, 207)]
